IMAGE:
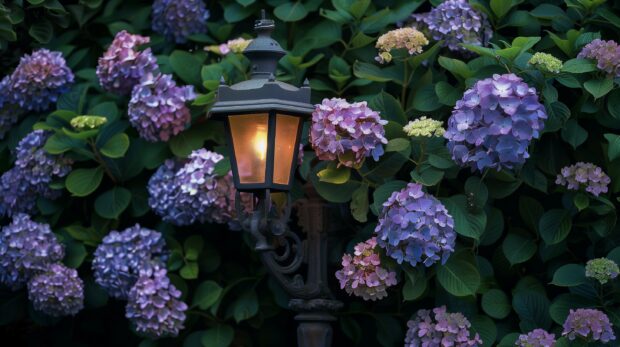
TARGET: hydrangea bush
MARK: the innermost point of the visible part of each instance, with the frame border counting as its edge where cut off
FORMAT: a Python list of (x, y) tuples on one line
[(468, 152)]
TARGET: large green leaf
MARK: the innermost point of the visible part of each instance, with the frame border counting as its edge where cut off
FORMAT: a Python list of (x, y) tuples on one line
[(496, 304), (291, 11), (113, 202), (207, 294), (569, 275), (187, 66), (466, 221), (83, 182), (116, 147), (554, 226), (219, 336), (459, 275), (518, 247)]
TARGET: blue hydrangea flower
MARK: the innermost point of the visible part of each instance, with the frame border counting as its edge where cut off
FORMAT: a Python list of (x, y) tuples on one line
[(589, 325), (123, 65), (494, 123), (57, 291), (39, 79), (415, 227), (154, 305), (157, 107), (536, 338), (121, 255), (178, 19), (26, 247), (9, 112), (16, 195)]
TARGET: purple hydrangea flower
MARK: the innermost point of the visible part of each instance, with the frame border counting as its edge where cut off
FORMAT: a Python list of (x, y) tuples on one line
[(536, 338), (415, 227), (440, 329), (584, 175), (362, 274), (224, 206), (157, 108), (154, 305), (589, 324), (57, 291), (178, 19), (16, 195), (347, 132), (122, 255), (39, 79), (494, 123), (9, 112), (26, 247), (455, 22), (122, 66), (606, 54)]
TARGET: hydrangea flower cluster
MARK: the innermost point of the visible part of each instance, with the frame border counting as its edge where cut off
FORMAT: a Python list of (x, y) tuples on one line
[(34, 170), (362, 274), (455, 22), (536, 338), (606, 54), (26, 248), (438, 328), (584, 175), (178, 19), (602, 269), (424, 127), (589, 324), (185, 193), (494, 123), (154, 304), (39, 79), (157, 107), (9, 112), (546, 62), (121, 256), (406, 38), (57, 291), (122, 66), (237, 45), (415, 227), (88, 122), (347, 132)]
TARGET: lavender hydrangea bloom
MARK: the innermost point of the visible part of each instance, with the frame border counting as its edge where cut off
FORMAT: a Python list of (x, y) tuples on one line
[(606, 54), (122, 255), (584, 175), (455, 22), (224, 205), (157, 107), (362, 274), (26, 247), (347, 132), (122, 66), (536, 338), (39, 79), (38, 166), (16, 195), (57, 291), (494, 123), (9, 112), (440, 329), (178, 19), (589, 324), (415, 227), (164, 194), (154, 305)]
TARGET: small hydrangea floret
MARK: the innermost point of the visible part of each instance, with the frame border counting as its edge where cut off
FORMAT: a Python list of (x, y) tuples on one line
[(584, 176), (602, 269), (57, 291), (178, 19), (536, 338), (494, 123), (415, 227), (606, 54), (546, 62), (347, 132), (424, 127), (439, 328), (409, 39), (589, 325), (362, 274)]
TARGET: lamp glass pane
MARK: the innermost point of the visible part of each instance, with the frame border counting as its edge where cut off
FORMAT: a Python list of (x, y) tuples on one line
[(249, 137), (286, 138)]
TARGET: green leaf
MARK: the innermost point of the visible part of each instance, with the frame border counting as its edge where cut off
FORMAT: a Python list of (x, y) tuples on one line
[(425, 99), (334, 174), (466, 222), (613, 104), (495, 303), (359, 204), (397, 145), (61, 143), (116, 147), (485, 328), (518, 247), (501, 7), (459, 276), (187, 141), (613, 150), (563, 303), (389, 108), (193, 246), (457, 67), (206, 294), (415, 284), (477, 191), (82, 182), (581, 201), (112, 203), (189, 271), (599, 87), (291, 11), (75, 253), (246, 306), (41, 30), (579, 65), (427, 175), (554, 226), (530, 210), (532, 308), (569, 275), (447, 94), (187, 66), (376, 74), (220, 336), (573, 133)]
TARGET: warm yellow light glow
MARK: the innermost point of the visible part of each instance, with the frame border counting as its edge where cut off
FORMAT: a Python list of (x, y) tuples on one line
[(260, 143)]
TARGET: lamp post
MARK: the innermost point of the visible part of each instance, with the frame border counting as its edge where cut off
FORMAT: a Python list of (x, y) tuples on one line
[(264, 118)]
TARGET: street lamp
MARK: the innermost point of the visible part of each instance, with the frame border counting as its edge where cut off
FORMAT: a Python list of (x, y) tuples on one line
[(264, 118)]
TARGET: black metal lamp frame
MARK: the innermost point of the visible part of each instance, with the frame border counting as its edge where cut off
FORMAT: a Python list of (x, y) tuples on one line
[(299, 265)]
